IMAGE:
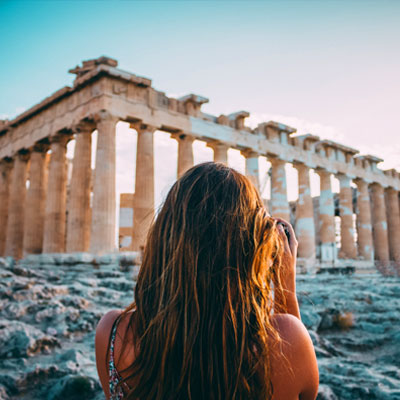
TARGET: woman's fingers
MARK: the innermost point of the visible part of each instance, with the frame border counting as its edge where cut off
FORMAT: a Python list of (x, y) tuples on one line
[(289, 234), (284, 237)]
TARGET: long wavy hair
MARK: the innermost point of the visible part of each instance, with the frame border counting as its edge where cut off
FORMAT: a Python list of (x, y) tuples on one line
[(205, 293)]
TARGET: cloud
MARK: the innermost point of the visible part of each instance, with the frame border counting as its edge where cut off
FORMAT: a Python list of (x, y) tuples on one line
[(389, 153), (17, 111), (303, 126)]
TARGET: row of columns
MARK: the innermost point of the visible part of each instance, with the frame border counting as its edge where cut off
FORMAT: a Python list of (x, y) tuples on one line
[(35, 218), (375, 238), (378, 235), (279, 206)]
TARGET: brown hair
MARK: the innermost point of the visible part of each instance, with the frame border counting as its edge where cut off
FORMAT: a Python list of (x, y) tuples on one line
[(203, 299)]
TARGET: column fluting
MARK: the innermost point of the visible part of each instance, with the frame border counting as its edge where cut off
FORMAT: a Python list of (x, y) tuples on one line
[(102, 238), (16, 205), (252, 170), (78, 224), (379, 223), (36, 201), (347, 241), (56, 197), (5, 174), (143, 210), (326, 224), (279, 206), (304, 227), (185, 152), (363, 222), (393, 220)]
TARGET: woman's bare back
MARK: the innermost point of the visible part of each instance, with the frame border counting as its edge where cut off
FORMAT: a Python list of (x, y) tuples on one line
[(293, 362)]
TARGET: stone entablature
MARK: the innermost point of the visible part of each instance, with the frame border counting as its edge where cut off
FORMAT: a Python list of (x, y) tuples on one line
[(103, 94)]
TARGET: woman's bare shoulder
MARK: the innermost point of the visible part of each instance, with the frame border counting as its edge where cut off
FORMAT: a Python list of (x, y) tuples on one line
[(294, 360), (106, 322), (289, 327)]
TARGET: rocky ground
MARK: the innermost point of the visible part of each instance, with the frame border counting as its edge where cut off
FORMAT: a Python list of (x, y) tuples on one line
[(50, 305)]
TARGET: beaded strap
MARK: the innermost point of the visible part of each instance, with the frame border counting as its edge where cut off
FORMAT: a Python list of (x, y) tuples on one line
[(115, 391)]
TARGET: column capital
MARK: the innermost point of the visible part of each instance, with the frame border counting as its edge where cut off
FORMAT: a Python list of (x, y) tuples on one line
[(142, 127), (343, 179), (84, 127), (23, 154), (183, 137), (300, 166), (376, 186), (361, 184), (41, 147), (217, 144), (322, 172), (391, 190), (62, 138), (249, 153), (6, 164), (276, 160), (104, 115)]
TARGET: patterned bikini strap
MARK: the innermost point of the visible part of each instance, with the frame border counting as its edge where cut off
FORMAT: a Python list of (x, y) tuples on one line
[(114, 377)]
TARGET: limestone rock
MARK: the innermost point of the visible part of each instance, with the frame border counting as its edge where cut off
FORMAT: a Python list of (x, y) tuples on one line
[(49, 312), (73, 387), (21, 340)]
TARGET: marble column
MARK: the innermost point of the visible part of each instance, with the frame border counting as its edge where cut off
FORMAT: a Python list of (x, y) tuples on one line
[(185, 152), (36, 201), (326, 217), (279, 206), (220, 152), (143, 205), (347, 241), (78, 225), (16, 205), (5, 169), (251, 171), (393, 220), (363, 222), (304, 227), (379, 223), (55, 210), (102, 238)]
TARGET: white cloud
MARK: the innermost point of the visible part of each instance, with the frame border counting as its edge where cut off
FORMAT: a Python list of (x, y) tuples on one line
[(390, 153), (17, 111), (303, 126)]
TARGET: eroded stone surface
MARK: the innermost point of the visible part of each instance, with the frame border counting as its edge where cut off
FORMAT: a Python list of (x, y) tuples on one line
[(48, 315)]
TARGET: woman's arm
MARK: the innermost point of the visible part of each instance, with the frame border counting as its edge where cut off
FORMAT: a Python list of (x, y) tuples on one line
[(294, 364)]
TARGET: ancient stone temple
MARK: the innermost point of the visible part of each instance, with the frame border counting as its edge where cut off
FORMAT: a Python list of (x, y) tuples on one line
[(38, 214)]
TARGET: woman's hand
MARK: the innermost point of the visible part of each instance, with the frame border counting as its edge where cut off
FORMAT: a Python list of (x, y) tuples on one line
[(288, 270), (290, 242)]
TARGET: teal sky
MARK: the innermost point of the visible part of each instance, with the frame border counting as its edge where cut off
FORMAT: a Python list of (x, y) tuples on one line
[(326, 67), (333, 63)]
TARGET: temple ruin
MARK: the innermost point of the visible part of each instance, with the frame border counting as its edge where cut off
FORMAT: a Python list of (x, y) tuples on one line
[(43, 218)]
